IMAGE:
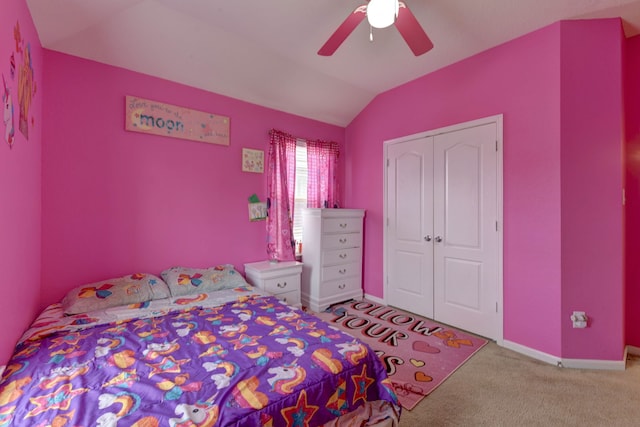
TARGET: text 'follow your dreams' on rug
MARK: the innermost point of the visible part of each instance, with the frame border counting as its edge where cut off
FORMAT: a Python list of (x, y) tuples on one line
[(419, 354)]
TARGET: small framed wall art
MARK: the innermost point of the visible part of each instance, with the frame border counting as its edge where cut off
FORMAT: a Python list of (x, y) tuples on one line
[(252, 160)]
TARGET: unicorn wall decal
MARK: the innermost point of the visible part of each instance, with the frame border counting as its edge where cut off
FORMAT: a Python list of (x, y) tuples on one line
[(7, 114)]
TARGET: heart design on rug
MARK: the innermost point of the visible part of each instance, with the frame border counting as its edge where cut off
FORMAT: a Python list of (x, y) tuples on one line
[(424, 347), (417, 363), (422, 377)]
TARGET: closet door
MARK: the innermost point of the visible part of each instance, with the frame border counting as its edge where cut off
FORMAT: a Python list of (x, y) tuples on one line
[(409, 247), (465, 227)]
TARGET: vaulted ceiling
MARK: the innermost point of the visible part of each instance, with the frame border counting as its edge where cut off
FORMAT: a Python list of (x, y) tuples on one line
[(264, 51)]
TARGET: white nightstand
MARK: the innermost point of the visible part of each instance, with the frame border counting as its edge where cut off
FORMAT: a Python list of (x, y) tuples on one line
[(281, 279)]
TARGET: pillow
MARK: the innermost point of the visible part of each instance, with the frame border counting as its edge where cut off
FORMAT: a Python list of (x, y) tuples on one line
[(186, 281), (135, 288)]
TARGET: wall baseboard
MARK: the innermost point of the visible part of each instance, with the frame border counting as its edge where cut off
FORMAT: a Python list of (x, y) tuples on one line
[(614, 365), (375, 299)]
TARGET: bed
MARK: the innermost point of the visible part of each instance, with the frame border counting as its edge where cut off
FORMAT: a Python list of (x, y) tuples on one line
[(193, 348)]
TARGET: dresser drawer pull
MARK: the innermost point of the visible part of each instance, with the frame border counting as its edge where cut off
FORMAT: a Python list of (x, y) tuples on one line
[(342, 271), (343, 225), (343, 240), (344, 285), (282, 285), (343, 256)]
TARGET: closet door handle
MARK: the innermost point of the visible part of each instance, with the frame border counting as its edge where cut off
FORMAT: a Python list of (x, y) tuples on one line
[(427, 238), (438, 239)]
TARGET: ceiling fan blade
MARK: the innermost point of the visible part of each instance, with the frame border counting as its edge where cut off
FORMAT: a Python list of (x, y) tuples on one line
[(343, 31), (412, 32)]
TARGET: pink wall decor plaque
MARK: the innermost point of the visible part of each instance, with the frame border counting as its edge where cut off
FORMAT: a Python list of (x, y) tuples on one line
[(157, 118)]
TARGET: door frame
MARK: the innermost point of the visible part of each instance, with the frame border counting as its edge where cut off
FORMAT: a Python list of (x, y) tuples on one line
[(498, 120)]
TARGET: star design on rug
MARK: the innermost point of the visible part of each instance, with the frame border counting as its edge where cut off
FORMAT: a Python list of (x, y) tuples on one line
[(362, 383), (59, 399), (301, 414), (244, 340)]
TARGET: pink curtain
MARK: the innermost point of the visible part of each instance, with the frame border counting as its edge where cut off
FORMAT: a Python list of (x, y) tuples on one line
[(322, 164), (281, 175)]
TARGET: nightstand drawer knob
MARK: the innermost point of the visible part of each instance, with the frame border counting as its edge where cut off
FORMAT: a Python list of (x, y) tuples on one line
[(343, 240), (282, 285), (344, 285), (342, 271), (343, 225), (343, 256)]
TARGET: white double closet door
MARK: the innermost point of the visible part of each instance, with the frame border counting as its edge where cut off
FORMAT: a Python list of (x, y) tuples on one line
[(443, 229)]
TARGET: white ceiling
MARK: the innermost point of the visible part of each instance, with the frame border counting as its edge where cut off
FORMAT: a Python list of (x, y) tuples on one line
[(264, 51)]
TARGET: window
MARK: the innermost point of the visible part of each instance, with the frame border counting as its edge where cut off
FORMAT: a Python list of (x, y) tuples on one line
[(300, 198), (300, 173)]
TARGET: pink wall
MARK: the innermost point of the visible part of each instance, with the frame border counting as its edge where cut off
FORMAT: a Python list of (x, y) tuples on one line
[(632, 185), (20, 184), (519, 79), (117, 202), (522, 80), (592, 229)]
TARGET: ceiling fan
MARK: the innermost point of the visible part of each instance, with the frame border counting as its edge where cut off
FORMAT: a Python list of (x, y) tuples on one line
[(381, 14)]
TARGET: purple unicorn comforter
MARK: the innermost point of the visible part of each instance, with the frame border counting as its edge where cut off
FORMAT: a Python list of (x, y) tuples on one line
[(250, 361)]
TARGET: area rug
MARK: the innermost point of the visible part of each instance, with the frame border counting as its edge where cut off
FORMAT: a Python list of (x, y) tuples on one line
[(419, 354)]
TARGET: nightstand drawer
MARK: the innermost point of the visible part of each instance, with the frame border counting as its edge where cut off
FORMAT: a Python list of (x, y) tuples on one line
[(342, 270), (337, 287), (291, 298), (341, 256), (279, 285), (344, 240)]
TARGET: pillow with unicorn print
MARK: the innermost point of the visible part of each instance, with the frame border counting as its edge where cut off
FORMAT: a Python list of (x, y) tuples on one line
[(187, 281), (130, 289)]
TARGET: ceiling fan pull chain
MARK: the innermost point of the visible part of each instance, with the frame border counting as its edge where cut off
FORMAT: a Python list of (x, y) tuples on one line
[(370, 33)]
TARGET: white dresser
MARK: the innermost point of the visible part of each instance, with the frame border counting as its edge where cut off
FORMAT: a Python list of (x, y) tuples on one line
[(281, 279), (332, 256)]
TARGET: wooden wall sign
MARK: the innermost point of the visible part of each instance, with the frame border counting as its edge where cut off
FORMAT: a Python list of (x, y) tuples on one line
[(157, 118)]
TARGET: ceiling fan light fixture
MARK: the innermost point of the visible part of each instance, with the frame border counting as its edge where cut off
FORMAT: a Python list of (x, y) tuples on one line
[(382, 13)]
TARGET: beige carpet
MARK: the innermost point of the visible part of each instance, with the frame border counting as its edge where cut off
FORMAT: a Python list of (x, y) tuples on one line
[(498, 387)]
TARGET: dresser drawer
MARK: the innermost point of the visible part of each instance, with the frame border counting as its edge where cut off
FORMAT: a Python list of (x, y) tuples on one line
[(341, 225), (279, 285), (336, 287), (341, 256), (344, 240), (341, 270), (291, 298)]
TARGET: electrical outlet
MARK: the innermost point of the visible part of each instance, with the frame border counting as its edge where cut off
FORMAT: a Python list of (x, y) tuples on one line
[(579, 319)]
